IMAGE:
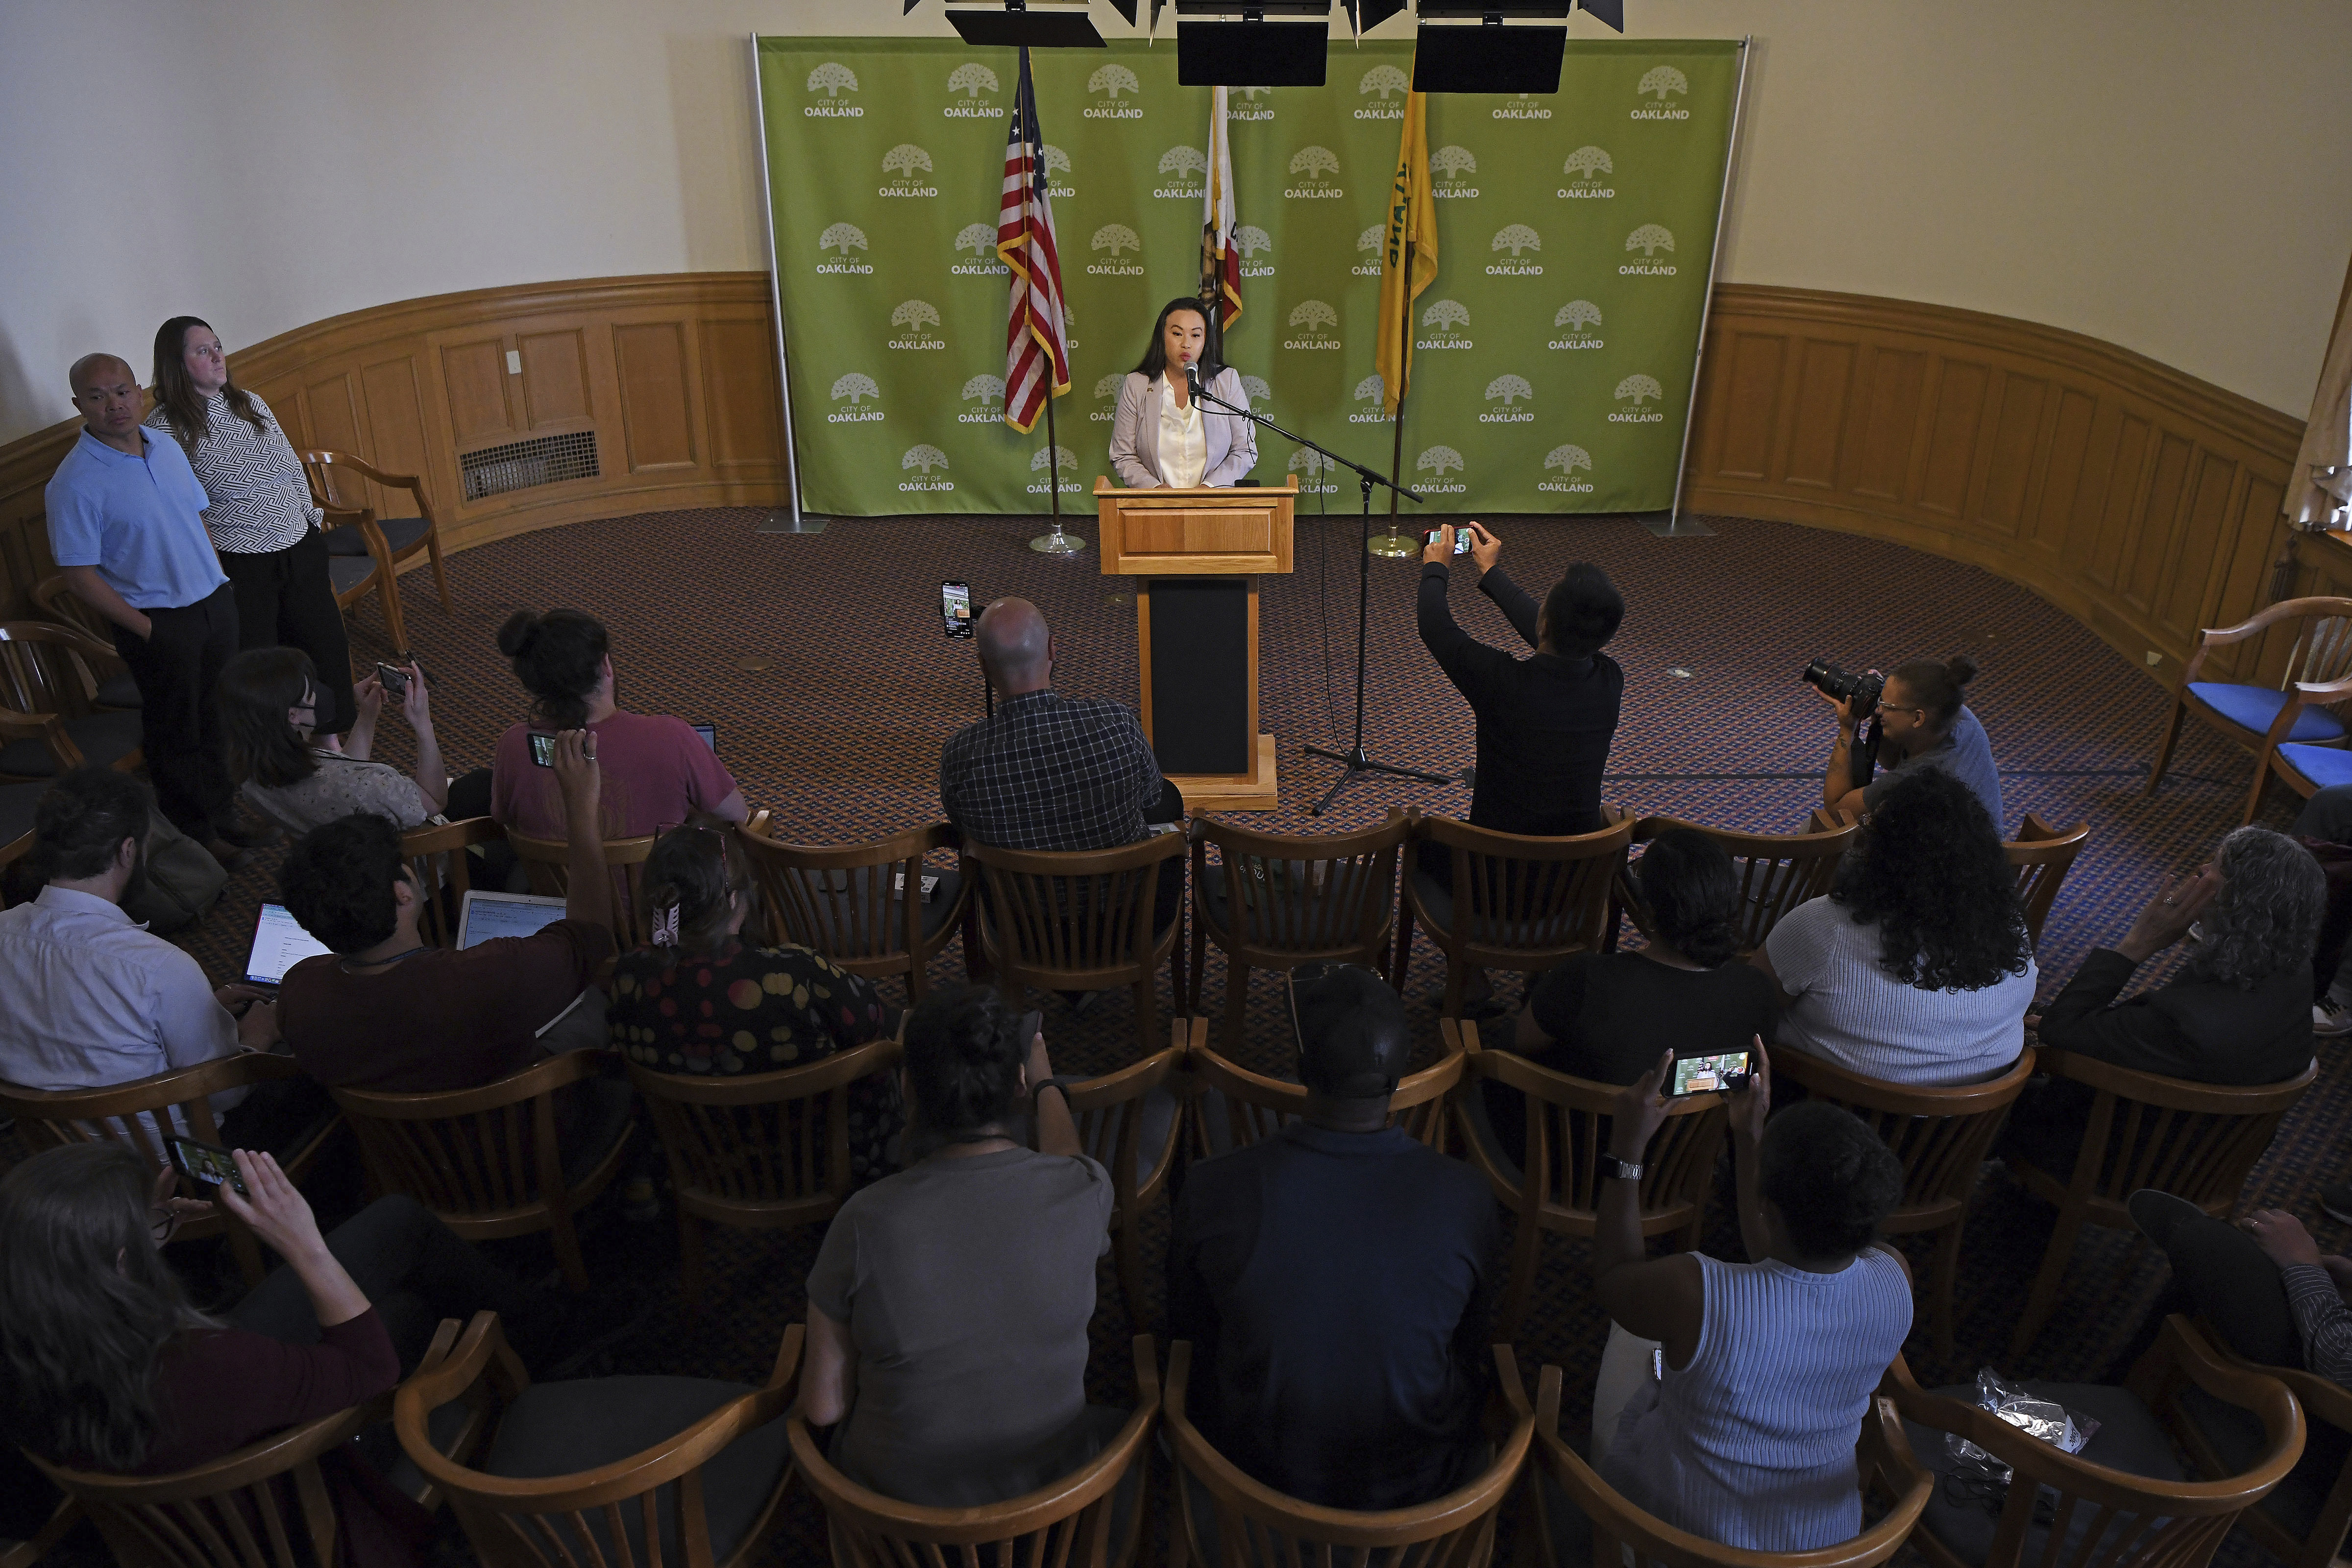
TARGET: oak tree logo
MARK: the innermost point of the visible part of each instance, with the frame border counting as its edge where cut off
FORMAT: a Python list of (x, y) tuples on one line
[(1255, 388), (1449, 164), (1508, 390), (1189, 166), (844, 237), (1575, 320), (980, 238), (1658, 81), (1584, 167), (1252, 242), (1515, 237), (1638, 389), (1248, 106), (1386, 80), (925, 457), (1115, 237), (1371, 391), (986, 395), (853, 388), (1369, 241), (1441, 461), (914, 318), (971, 79), (1567, 458), (908, 162), (1110, 81), (1314, 465), (1043, 456), (1314, 316), (1649, 239), (1107, 387), (832, 79), (1056, 162), (1447, 317), (1313, 166)]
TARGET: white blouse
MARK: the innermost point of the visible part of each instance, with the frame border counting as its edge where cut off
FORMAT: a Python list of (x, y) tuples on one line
[(1183, 442)]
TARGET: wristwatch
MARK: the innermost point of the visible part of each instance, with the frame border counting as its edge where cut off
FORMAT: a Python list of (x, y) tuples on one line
[(1611, 1166), (1057, 1081)]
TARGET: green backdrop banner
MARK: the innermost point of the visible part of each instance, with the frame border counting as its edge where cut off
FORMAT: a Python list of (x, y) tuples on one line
[(1553, 355)]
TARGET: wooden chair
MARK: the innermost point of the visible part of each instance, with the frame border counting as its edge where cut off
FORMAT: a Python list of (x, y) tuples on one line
[(673, 1472), (548, 861), (490, 1161), (1556, 1190), (1071, 1523), (1941, 1135), (1777, 872), (50, 718), (1257, 1106), (2041, 855), (2303, 1521), (1081, 922), (437, 858), (1132, 1122), (2195, 1140), (57, 602), (764, 1151), (24, 1553), (2262, 718), (1275, 900), (267, 1505), (2068, 1511), (364, 549), (1257, 1524), (1517, 902), (1590, 1522), (844, 900), (137, 1113), (18, 804)]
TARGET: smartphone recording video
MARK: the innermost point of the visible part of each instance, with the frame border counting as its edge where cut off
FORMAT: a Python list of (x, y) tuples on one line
[(955, 608), (393, 681), (204, 1162), (542, 750), (1460, 539), (1707, 1075)]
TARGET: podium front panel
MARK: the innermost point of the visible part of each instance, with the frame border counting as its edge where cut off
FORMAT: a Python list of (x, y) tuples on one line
[(1198, 653)]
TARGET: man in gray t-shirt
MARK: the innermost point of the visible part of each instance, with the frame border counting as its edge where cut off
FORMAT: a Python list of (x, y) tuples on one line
[(1923, 723)]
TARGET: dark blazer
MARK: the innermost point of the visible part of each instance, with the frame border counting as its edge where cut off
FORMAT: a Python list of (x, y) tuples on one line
[(2200, 1030)]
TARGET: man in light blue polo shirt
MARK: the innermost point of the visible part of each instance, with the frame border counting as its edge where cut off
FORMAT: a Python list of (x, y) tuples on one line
[(126, 524)]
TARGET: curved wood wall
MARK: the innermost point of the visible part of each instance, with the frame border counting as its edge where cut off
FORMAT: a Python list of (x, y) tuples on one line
[(2142, 501)]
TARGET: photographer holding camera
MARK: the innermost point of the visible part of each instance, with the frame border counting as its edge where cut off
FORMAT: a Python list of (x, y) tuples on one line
[(1918, 720)]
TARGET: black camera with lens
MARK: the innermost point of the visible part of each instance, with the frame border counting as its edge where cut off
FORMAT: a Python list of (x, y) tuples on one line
[(1860, 693)]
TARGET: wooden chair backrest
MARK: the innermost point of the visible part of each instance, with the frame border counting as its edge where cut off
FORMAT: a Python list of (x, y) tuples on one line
[(770, 1146), (2323, 647), (338, 482), (1941, 1135), (1257, 1106), (437, 858), (1516, 898), (1065, 1524), (1257, 1524), (1568, 1126), (471, 1154), (2195, 1140), (45, 668), (837, 899), (1084, 916), (1109, 1112), (2124, 1518), (1776, 871), (55, 598), (1291, 897), (2041, 855), (547, 862), (581, 1519), (1892, 1478)]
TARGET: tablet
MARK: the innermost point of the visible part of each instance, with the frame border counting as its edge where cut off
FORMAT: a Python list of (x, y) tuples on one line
[(709, 734), (280, 943), (487, 915)]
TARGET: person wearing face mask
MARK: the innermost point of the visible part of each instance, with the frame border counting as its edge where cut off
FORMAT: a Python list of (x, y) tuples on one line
[(1161, 434), (269, 534)]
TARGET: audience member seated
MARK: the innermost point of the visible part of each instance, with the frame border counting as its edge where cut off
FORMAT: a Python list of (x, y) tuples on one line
[(658, 772), (301, 779), (1915, 967), (2238, 1011), (385, 1010), (949, 1304), (1742, 1428), (2327, 818), (703, 1002), (1049, 772), (1923, 723), (1335, 1278), (105, 1366), (93, 1000)]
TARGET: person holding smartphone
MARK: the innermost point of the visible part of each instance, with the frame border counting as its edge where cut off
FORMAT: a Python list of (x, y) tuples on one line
[(300, 776)]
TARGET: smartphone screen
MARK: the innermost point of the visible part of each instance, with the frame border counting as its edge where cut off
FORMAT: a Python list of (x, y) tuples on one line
[(1460, 540), (394, 681), (542, 750), (955, 608), (204, 1162), (1706, 1074)]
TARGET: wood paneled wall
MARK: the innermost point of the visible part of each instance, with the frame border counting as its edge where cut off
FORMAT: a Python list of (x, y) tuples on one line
[(675, 375), (2141, 500)]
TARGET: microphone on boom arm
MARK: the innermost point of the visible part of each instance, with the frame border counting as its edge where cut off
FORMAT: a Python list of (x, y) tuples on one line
[(1193, 379)]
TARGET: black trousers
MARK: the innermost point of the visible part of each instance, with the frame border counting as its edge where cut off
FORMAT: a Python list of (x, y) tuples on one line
[(175, 668), (285, 599)]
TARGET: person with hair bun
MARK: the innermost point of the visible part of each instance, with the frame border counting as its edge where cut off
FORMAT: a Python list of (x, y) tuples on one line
[(657, 772), (700, 1001), (948, 1305), (1923, 723)]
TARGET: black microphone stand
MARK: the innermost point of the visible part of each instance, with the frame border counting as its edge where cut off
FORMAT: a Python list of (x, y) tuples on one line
[(1356, 760)]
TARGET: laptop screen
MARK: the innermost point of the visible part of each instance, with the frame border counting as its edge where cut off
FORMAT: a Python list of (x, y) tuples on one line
[(280, 943), (488, 915), (709, 734)]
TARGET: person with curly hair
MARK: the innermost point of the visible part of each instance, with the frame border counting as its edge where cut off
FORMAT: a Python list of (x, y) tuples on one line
[(1915, 967), (2238, 1011), (1731, 1395)]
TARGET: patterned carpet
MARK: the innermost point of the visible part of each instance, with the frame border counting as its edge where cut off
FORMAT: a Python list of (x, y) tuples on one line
[(838, 730)]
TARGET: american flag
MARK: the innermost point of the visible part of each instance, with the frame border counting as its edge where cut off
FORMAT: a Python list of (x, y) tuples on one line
[(1036, 348)]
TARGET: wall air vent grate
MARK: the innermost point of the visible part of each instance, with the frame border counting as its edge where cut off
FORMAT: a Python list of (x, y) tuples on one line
[(522, 465)]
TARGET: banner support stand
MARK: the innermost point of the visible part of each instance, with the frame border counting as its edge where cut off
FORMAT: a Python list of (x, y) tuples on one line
[(791, 520), (1674, 527)]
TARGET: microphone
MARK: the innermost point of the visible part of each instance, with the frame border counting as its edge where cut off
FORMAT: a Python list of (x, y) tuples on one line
[(1193, 379)]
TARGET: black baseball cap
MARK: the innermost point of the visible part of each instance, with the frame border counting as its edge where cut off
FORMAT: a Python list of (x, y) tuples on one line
[(1353, 1041)]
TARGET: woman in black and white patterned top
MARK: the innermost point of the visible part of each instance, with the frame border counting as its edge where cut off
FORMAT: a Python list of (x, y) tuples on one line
[(261, 520)]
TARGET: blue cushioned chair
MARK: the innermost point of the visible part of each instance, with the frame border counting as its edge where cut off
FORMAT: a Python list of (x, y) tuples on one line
[(367, 549), (2262, 718), (2310, 769)]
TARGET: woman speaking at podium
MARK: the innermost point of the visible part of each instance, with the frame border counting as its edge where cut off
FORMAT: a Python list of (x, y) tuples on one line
[(1163, 435)]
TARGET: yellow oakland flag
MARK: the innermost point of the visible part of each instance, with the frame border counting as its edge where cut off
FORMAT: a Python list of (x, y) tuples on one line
[(1412, 230)]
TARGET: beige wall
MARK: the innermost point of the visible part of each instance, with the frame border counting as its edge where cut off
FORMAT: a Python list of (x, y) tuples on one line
[(2165, 174)]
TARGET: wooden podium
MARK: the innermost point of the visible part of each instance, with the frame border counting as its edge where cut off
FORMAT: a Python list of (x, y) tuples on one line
[(1196, 556)]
